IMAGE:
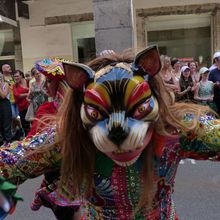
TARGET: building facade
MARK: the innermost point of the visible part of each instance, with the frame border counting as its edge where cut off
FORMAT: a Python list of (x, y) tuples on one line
[(182, 29)]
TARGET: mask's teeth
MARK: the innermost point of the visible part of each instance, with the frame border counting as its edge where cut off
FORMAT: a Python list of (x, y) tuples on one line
[(119, 151), (124, 164)]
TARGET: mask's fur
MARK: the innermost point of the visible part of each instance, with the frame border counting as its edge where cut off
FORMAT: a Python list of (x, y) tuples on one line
[(86, 126)]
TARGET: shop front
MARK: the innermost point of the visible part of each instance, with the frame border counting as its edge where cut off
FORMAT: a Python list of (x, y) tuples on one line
[(187, 37)]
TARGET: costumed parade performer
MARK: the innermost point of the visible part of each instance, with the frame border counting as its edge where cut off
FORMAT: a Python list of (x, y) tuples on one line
[(120, 137), (56, 86)]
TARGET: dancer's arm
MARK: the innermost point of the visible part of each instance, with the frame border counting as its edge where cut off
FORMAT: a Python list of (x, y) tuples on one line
[(204, 141), (27, 159)]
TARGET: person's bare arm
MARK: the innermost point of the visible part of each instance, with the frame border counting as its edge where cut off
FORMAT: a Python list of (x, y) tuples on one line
[(4, 91), (23, 95), (176, 83), (29, 95), (175, 86), (184, 91)]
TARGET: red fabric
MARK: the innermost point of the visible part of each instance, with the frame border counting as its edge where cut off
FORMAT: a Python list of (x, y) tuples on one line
[(22, 103), (47, 108)]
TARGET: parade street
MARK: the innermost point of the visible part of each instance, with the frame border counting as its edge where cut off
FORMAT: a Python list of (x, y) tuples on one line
[(197, 194)]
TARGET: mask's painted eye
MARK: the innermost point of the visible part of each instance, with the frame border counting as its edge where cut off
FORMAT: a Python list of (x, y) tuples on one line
[(92, 113), (143, 109)]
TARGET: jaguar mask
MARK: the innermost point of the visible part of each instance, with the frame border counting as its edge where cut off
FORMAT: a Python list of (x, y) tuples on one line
[(119, 106)]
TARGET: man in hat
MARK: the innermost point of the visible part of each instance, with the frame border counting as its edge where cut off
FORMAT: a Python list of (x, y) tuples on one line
[(215, 56), (215, 77)]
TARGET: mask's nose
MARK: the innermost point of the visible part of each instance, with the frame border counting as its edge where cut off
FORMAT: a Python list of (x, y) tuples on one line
[(117, 135), (118, 128)]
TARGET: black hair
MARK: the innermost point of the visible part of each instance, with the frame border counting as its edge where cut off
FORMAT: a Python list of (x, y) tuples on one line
[(174, 61), (20, 72)]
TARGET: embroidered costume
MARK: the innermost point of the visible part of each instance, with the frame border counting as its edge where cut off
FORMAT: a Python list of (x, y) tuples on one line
[(52, 69), (57, 88), (120, 137)]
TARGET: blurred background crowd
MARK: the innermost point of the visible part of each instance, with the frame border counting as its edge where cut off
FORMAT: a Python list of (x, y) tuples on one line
[(191, 82), (20, 97)]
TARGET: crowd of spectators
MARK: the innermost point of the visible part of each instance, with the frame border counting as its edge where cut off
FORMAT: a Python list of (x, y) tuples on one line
[(191, 82), (19, 93)]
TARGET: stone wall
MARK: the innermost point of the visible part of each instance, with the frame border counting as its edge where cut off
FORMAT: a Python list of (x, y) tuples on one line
[(17, 43), (18, 48), (48, 31), (212, 8), (113, 21), (216, 30)]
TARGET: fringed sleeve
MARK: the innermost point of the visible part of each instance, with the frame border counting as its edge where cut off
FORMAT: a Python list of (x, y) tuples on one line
[(24, 159), (203, 142)]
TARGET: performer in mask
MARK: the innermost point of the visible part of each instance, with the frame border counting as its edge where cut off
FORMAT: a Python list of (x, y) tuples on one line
[(120, 137)]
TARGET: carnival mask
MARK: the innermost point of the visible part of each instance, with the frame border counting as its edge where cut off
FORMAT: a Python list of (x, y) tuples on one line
[(118, 107)]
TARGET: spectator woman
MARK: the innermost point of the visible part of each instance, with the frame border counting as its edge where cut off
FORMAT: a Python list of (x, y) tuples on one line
[(21, 91), (215, 77), (167, 74), (176, 65), (204, 92), (193, 66), (186, 85), (5, 113), (37, 93), (28, 77)]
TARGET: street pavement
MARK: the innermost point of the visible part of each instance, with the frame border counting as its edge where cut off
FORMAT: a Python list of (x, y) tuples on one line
[(197, 194), (197, 191), (23, 211)]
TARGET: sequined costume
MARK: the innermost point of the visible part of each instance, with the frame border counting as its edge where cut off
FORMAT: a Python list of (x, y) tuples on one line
[(8, 164), (52, 69), (118, 186), (118, 118), (11, 157)]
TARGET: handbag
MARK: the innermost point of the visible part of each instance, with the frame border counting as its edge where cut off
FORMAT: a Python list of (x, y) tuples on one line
[(30, 113)]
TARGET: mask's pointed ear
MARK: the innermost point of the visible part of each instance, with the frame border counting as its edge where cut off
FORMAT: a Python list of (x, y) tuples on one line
[(77, 75), (147, 62)]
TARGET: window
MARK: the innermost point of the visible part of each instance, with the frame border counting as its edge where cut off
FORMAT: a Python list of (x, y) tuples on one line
[(83, 36), (182, 36), (86, 49), (7, 50)]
